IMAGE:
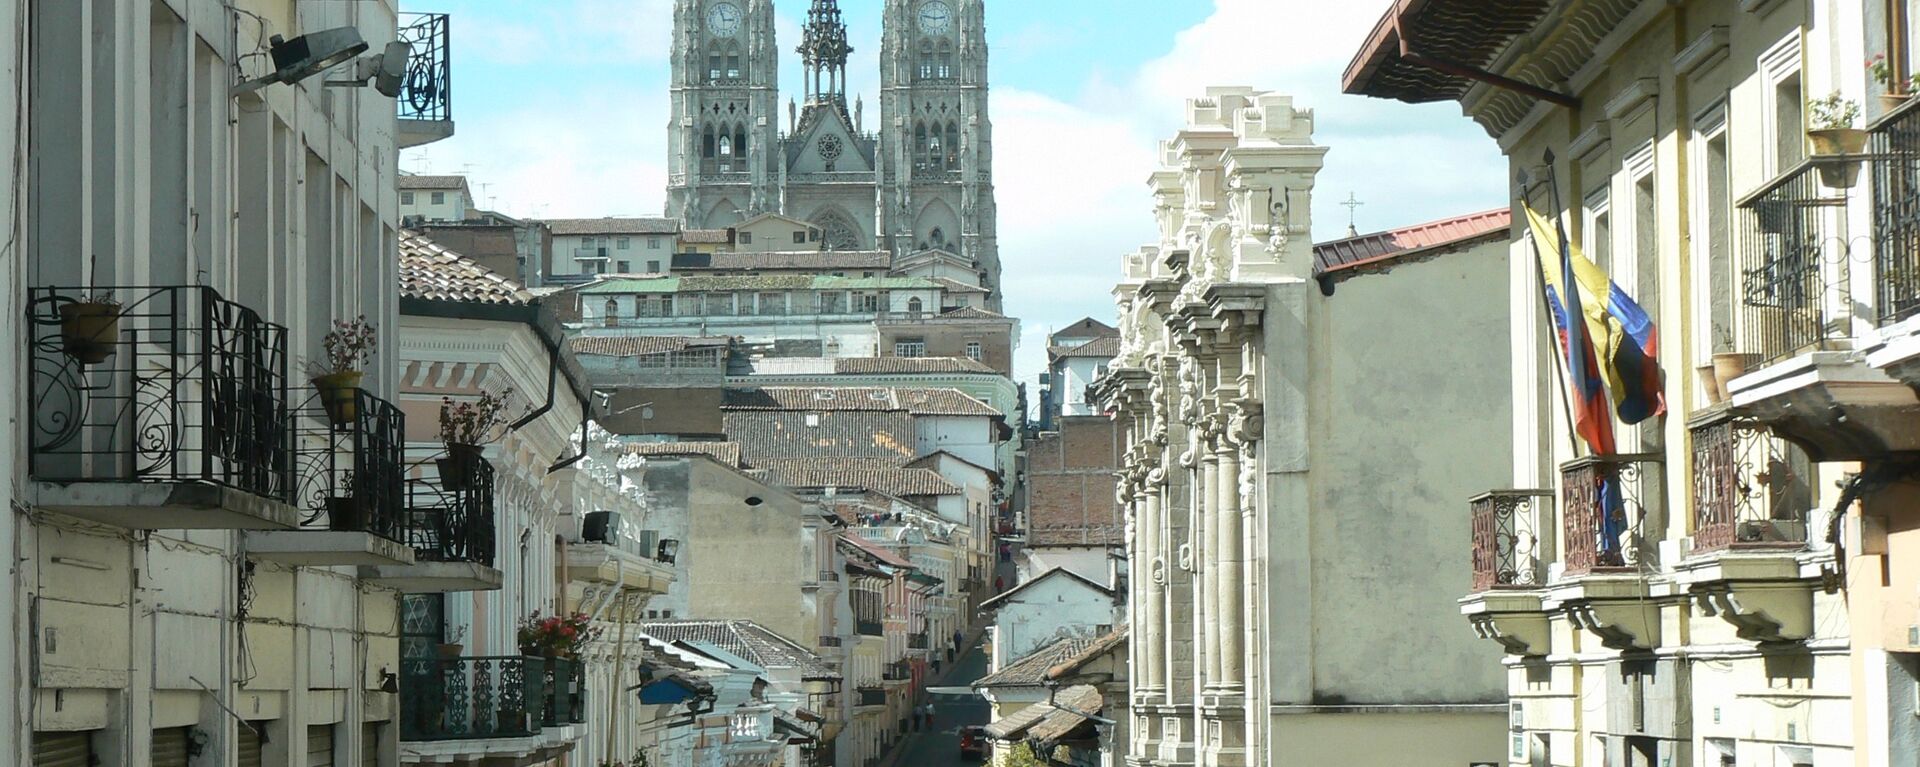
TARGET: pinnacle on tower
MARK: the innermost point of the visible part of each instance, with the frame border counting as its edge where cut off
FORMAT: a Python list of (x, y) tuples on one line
[(824, 51)]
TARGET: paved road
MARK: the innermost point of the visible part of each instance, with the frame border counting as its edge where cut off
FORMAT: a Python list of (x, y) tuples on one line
[(940, 747)]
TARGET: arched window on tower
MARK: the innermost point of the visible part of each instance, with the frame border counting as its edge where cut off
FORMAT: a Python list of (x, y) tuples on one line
[(708, 149), (740, 140), (953, 146), (613, 313), (937, 148), (734, 72), (946, 60), (919, 146), (926, 60), (714, 63), (938, 238)]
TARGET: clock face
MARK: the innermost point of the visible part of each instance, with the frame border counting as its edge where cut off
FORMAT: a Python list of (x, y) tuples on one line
[(936, 18), (723, 19)]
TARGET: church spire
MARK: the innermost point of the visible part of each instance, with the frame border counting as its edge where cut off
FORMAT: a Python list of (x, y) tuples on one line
[(824, 51)]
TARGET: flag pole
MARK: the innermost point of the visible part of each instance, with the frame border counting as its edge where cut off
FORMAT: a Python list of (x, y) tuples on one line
[(1571, 284), (1546, 304)]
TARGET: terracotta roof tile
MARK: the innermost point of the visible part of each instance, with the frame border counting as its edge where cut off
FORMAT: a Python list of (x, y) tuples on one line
[(1382, 248), (568, 227), (1112, 641), (773, 434), (1103, 348), (640, 346), (907, 365), (918, 401), (807, 260), (411, 183), (751, 641), (724, 452), (707, 236), (433, 273), (876, 474), (1031, 671), (875, 550)]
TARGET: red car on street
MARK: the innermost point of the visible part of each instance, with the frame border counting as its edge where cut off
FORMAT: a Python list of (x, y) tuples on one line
[(973, 742)]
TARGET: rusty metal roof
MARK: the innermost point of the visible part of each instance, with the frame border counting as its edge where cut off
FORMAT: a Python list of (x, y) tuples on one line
[(1383, 248)]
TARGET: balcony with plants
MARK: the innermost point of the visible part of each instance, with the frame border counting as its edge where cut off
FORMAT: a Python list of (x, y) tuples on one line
[(1896, 242), (1611, 524), (1809, 363), (449, 703), (157, 407)]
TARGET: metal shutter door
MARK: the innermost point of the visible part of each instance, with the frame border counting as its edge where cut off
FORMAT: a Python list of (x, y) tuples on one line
[(370, 745), (320, 745), (170, 747), (250, 743), (62, 749)]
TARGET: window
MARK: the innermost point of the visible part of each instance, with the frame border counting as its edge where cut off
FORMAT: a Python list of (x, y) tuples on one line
[(612, 311), (625, 267), (718, 304), (406, 198), (910, 347), (713, 66), (746, 238), (653, 267), (974, 351), (773, 304), (439, 198), (799, 238), (833, 303), (1597, 239), (625, 243), (653, 243), (914, 306), (1715, 242)]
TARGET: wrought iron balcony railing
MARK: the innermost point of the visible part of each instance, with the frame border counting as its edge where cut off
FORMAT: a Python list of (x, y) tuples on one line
[(1795, 290), (427, 92), (451, 519), (349, 467), (1507, 540), (1749, 490), (1602, 511), (896, 672), (917, 641), (871, 696), (167, 385), (869, 628), (829, 576), (829, 641), (468, 698), (566, 683), (1895, 156)]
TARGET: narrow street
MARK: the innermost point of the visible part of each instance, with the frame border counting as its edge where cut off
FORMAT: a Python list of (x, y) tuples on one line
[(953, 709)]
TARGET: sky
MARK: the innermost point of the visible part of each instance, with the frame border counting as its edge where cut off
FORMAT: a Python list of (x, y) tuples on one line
[(561, 111)]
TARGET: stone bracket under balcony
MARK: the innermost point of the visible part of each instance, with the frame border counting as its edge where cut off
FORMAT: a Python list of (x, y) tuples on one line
[(1514, 619), (608, 565), (1617, 609), (1833, 405), (165, 506), (434, 577), (320, 548), (1761, 594)]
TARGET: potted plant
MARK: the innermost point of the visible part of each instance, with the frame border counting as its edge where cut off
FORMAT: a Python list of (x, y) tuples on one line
[(452, 648), (1898, 91), (1836, 143), (1729, 365), (90, 327), (555, 636), (349, 345), (343, 511), (464, 428)]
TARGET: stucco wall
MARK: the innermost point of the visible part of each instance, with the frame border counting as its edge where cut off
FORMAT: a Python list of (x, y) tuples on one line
[(1053, 608), (1387, 739), (1410, 420), (746, 561)]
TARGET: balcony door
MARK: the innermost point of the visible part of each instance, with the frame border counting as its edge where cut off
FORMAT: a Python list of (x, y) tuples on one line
[(423, 625)]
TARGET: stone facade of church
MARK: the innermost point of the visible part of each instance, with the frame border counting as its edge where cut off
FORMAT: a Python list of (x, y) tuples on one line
[(922, 182)]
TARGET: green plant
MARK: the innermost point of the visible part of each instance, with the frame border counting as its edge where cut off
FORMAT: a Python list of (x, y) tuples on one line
[(349, 345), (98, 298), (1834, 112), (1022, 756), (1881, 70), (473, 423)]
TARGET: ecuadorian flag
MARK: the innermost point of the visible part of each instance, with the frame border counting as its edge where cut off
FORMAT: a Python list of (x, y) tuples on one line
[(1625, 342)]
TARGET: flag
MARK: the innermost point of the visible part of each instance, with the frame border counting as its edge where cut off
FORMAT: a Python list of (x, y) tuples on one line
[(1626, 344), (1586, 386)]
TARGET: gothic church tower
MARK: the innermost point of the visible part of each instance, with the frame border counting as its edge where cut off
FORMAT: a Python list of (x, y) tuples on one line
[(936, 182), (723, 141)]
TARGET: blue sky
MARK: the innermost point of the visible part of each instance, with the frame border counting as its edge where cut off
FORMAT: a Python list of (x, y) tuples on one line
[(561, 108)]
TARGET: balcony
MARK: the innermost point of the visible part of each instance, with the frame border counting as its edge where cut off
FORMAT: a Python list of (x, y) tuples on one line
[(829, 641), (605, 554), (158, 408), (918, 641), (869, 628), (1509, 569), (486, 698), (425, 103), (1603, 514), (1804, 312), (866, 697), (1896, 240), (1752, 500), (899, 671), (349, 483), (451, 530)]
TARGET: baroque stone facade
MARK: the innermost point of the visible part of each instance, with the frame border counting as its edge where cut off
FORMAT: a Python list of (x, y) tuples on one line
[(922, 182)]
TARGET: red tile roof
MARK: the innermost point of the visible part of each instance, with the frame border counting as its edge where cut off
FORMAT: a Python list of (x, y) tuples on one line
[(876, 474), (640, 346), (904, 365), (724, 452), (1382, 248), (876, 551), (597, 226), (433, 273)]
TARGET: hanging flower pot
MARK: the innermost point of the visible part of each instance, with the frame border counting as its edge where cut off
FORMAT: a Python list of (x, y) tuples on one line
[(1710, 383), (457, 468), (338, 393), (1892, 101), (1730, 365), (450, 650), (1837, 145), (90, 329)]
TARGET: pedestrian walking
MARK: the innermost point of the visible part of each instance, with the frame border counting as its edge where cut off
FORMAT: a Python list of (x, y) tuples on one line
[(927, 712), (958, 638), (999, 584)]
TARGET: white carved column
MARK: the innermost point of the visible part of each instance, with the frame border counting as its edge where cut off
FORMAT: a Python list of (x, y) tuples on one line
[(1228, 563), (1155, 578), (1206, 505)]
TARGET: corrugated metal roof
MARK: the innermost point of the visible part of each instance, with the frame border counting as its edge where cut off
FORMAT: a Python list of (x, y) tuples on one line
[(907, 365), (918, 401), (707, 236), (1381, 248), (814, 260), (718, 283)]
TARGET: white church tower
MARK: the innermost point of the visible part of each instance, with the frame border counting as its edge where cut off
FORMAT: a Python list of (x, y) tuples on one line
[(723, 141)]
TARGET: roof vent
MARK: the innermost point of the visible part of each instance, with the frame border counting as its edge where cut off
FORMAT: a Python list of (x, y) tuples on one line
[(823, 395), (878, 396)]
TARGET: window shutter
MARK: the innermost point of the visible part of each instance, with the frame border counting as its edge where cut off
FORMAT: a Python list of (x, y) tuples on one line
[(370, 744), (170, 747), (320, 745), (62, 749), (250, 743)]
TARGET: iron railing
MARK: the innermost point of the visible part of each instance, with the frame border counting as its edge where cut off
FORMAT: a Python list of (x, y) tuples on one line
[(1794, 276), (1748, 490), (1895, 151), (871, 696), (829, 576), (1602, 511), (453, 521), (1506, 538), (350, 475), (917, 641), (427, 92), (166, 384), (869, 628), (829, 641), (566, 685), (896, 672), (467, 698)]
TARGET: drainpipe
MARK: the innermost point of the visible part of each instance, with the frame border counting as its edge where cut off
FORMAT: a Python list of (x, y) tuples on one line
[(1458, 69), (553, 382)]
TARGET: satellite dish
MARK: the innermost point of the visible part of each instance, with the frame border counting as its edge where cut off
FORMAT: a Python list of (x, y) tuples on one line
[(392, 68), (307, 55)]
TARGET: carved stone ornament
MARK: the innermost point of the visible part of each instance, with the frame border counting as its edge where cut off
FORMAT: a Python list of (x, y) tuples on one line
[(1246, 423), (1157, 570), (1186, 557)]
